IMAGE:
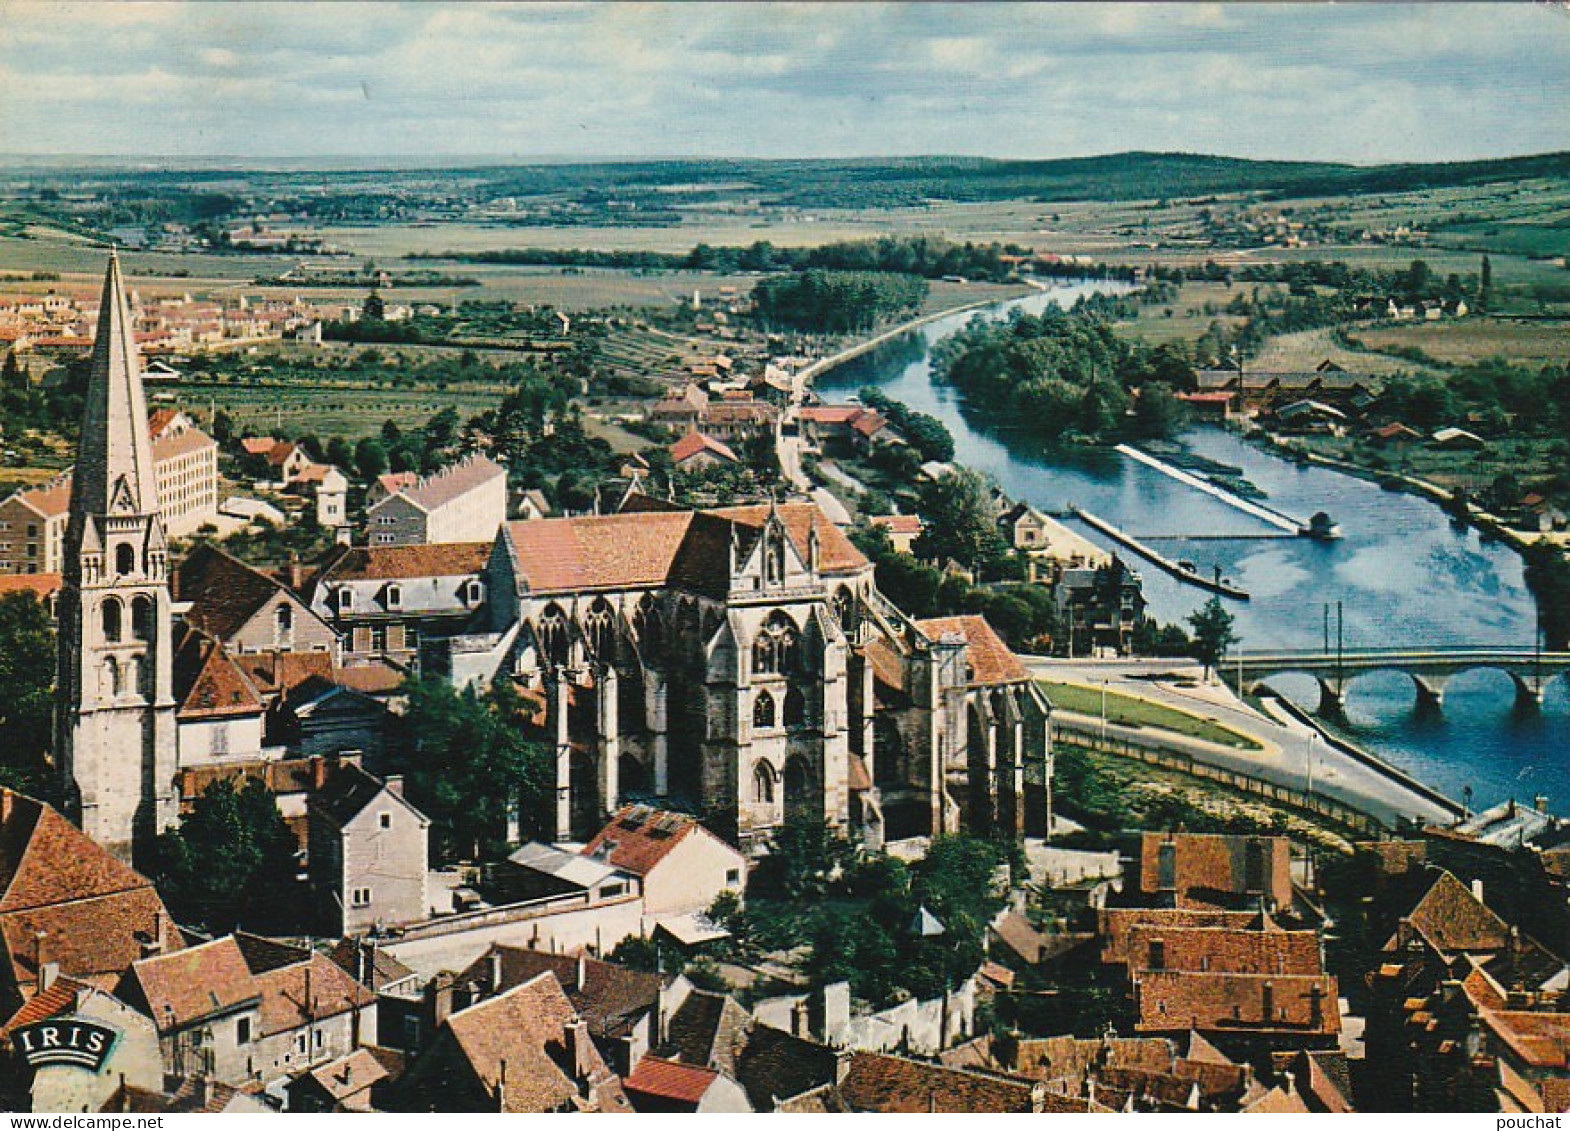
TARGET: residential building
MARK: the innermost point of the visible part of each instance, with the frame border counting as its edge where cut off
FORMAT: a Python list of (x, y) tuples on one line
[(681, 865), (369, 852), (32, 528), (352, 1083), (902, 529), (328, 488), (466, 502), (669, 1086), (697, 452), (384, 601), (246, 609), (1199, 870), (247, 1010)]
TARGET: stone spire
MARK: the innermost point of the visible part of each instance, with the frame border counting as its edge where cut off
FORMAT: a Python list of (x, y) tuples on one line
[(114, 467)]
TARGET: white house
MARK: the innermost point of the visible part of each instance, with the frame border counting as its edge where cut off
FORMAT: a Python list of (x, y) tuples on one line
[(683, 866)]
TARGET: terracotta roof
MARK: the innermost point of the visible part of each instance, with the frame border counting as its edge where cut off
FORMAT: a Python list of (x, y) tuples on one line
[(394, 481), (59, 998), (257, 445), (1115, 923), (52, 499), (40, 585), (990, 660), (275, 673), (830, 413), (381, 968), (94, 913), (280, 452), (739, 412), (1226, 949), (706, 1030), (868, 423), (836, 553), (882, 1083), (191, 1095), (622, 551), (525, 1027), (898, 523), (208, 682), (350, 1075), (1168, 1000), (694, 442), (637, 838), (375, 678), (388, 563), (611, 999), (179, 989), (1454, 920), (285, 1005), (1542, 1040), (670, 1080)]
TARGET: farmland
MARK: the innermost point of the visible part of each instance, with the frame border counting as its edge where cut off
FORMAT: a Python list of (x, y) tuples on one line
[(1475, 339)]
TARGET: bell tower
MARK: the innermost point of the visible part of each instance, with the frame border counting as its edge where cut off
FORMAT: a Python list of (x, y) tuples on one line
[(115, 713)]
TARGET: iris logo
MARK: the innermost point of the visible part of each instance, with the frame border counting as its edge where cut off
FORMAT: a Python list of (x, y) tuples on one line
[(66, 1040)]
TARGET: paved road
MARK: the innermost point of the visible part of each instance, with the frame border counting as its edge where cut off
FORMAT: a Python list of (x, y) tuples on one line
[(1287, 744)]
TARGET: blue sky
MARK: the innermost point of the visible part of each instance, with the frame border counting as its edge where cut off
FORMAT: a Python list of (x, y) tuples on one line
[(1353, 82)]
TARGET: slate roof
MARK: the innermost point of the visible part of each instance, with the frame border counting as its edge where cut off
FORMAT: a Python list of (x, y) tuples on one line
[(348, 790), (381, 968), (706, 1030), (94, 912), (774, 1066), (883, 1083), (991, 661)]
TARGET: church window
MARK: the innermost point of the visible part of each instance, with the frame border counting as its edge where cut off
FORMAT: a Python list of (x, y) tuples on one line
[(845, 610), (795, 708), (553, 636), (113, 614), (763, 784), (776, 649), (763, 711), (124, 559), (774, 558), (600, 627)]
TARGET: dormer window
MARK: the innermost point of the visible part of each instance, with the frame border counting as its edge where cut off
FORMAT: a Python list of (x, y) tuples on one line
[(473, 592), (345, 599), (395, 596)]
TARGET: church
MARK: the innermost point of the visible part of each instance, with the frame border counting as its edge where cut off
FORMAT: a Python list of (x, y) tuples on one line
[(738, 662)]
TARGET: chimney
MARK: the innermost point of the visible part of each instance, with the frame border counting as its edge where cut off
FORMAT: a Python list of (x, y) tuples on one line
[(394, 784), (581, 972), (798, 1019), (1267, 1006), (842, 1066), (439, 993), (495, 964), (48, 975), (1477, 890), (1316, 1006), (580, 1048), (501, 1086), (296, 575), (6, 804)]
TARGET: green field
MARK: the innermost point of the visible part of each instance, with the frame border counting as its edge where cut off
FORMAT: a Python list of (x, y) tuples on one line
[(1127, 710)]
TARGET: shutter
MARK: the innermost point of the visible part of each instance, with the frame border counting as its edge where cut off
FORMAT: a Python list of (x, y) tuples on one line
[(362, 638)]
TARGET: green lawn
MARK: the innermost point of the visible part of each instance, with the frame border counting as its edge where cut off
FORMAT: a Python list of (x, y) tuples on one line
[(1129, 711)]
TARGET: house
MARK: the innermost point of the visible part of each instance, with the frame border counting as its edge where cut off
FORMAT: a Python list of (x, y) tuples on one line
[(45, 588), (738, 420), (351, 1083), (544, 871), (246, 609), (532, 504), (386, 600), (68, 909), (880, 1082), (681, 865), (627, 1010), (697, 452), (130, 1058), (286, 460), (388, 484), (220, 715), (525, 1050), (902, 529), (324, 715), (369, 852), (669, 1086), (1025, 527), (681, 411), (32, 528), (1310, 416), (329, 487), (1395, 434), (185, 464), (244, 1010), (1217, 405), (1214, 870), (466, 502), (1458, 440)]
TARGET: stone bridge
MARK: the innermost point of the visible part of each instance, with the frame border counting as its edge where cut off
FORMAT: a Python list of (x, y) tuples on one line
[(1428, 668)]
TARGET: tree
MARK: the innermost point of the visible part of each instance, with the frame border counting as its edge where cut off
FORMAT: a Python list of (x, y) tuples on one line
[(1158, 414), (27, 660), (804, 856), (339, 453), (370, 458), (470, 770), (1485, 290), (374, 307), (957, 512), (231, 863), (223, 427), (1213, 634)]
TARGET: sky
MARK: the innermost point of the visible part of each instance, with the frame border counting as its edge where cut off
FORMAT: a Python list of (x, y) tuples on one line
[(1362, 83)]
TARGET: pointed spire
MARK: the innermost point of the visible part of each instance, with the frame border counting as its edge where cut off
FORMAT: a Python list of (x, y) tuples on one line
[(114, 466)]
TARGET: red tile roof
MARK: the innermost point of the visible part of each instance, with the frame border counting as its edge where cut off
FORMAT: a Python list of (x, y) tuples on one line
[(670, 1080), (898, 523), (1211, 867), (40, 585), (52, 499), (389, 563), (637, 838), (1454, 920), (59, 998), (882, 1083), (695, 442), (611, 998), (1114, 924), (224, 592), (1177, 1000), (1223, 949), (209, 683), (991, 662), (179, 989)]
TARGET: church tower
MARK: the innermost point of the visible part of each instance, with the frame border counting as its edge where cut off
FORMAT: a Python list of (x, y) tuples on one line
[(115, 717)]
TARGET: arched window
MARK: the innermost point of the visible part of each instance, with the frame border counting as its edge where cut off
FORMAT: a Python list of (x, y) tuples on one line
[(283, 627), (553, 636), (112, 678), (132, 677), (763, 711), (124, 558), (763, 784), (646, 623), (142, 617), (113, 616), (795, 708), (600, 627), (845, 609), (778, 645)]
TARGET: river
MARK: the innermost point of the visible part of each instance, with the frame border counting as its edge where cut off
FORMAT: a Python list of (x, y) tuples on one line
[(1404, 573)]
